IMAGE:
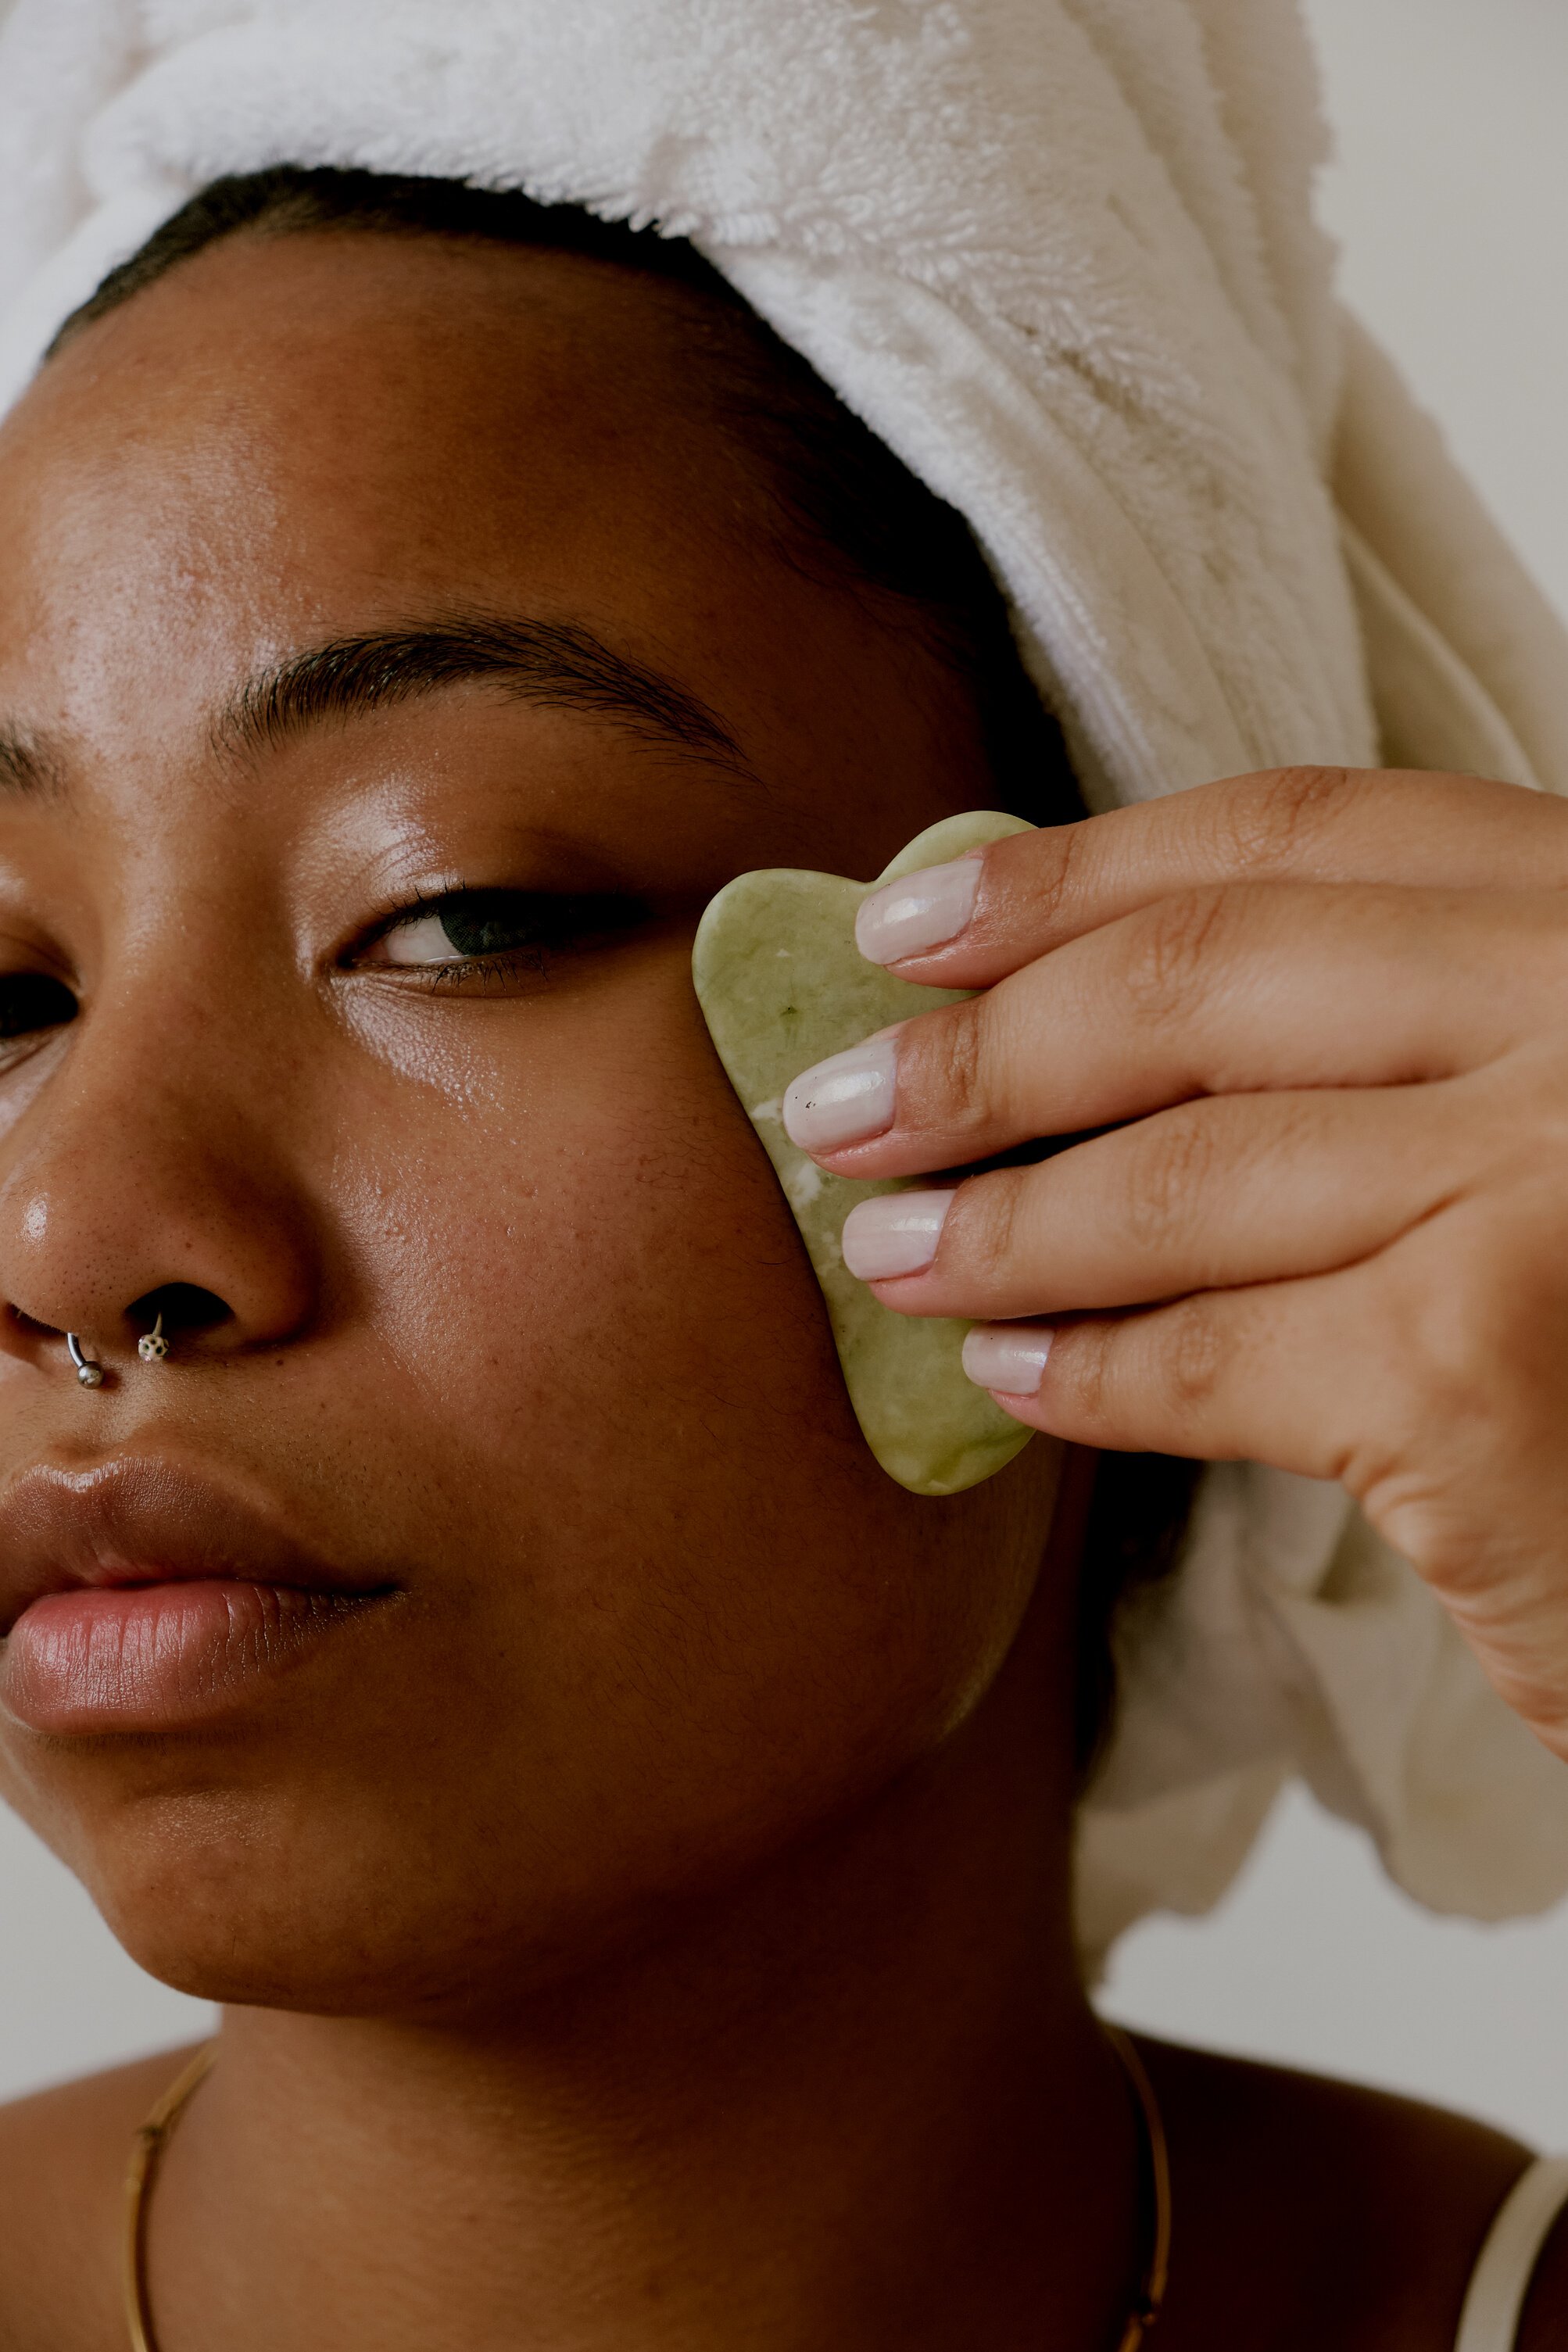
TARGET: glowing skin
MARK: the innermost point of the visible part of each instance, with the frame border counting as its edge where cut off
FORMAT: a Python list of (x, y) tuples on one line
[(424, 1212)]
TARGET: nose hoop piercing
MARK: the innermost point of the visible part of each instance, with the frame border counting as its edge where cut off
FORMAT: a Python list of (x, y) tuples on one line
[(151, 1348)]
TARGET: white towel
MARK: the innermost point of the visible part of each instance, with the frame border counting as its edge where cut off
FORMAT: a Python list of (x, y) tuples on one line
[(1059, 254)]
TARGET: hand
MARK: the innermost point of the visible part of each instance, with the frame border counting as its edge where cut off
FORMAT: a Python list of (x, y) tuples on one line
[(1323, 1015)]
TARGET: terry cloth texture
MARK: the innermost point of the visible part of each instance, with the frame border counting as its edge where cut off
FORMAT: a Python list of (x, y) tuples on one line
[(1060, 255)]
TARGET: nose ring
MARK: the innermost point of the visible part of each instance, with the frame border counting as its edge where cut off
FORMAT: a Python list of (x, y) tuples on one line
[(151, 1348)]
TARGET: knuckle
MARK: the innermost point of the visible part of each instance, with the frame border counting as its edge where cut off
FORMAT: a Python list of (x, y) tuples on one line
[(1470, 1411), (1420, 1511), (1082, 1362), (1195, 1356), (1172, 948), (1466, 1345), (1169, 1165), (957, 1065), (1056, 863), (987, 1215), (1287, 811)]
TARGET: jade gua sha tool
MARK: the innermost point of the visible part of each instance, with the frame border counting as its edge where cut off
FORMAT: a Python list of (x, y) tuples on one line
[(782, 984)]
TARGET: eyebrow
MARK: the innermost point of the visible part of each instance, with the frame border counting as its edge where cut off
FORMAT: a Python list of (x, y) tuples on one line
[(554, 665), (26, 772)]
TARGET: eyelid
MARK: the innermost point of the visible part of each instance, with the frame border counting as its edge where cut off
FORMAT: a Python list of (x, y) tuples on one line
[(415, 921), (561, 915), (421, 901), (35, 954)]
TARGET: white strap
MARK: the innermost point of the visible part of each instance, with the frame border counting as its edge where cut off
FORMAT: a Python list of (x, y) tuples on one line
[(1489, 2322)]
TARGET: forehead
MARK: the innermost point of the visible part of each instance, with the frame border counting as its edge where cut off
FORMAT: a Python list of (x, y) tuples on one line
[(375, 348), (286, 428), (291, 441)]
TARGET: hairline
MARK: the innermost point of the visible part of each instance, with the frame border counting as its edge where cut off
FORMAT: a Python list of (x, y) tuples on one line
[(275, 225)]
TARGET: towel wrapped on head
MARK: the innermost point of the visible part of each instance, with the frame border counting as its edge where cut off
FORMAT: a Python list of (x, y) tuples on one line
[(1060, 254)]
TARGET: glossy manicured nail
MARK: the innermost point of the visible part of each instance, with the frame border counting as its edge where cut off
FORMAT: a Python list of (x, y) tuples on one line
[(845, 1100), (919, 911), (896, 1233), (1009, 1357)]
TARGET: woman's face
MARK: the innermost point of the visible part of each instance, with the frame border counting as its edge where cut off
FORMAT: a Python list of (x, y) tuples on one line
[(487, 1314)]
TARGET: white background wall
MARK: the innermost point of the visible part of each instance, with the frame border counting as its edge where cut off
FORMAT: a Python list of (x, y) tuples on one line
[(1451, 195)]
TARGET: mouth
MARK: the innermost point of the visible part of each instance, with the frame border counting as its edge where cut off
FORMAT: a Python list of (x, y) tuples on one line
[(137, 1597)]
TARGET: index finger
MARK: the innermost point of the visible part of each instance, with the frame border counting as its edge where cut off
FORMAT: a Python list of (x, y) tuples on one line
[(971, 922)]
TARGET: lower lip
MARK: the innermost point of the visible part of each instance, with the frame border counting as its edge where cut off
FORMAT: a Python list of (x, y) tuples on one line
[(156, 1657)]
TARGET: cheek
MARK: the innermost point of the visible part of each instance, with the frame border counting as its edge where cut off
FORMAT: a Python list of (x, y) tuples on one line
[(571, 1246), (655, 1549)]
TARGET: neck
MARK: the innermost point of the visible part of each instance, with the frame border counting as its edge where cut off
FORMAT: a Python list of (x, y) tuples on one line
[(860, 2101)]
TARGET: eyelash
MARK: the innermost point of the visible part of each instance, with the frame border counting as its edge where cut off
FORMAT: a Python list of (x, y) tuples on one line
[(560, 932), (433, 978), (559, 921)]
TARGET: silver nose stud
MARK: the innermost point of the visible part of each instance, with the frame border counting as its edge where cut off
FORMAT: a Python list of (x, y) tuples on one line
[(153, 1346)]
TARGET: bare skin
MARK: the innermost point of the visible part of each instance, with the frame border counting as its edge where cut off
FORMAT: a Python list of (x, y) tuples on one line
[(644, 1909)]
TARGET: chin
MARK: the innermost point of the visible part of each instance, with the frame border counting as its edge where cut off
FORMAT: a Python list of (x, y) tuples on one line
[(268, 1902), (215, 1893)]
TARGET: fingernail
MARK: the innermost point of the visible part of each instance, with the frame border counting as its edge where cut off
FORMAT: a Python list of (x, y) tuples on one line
[(896, 1233), (1008, 1357), (844, 1099), (919, 911)]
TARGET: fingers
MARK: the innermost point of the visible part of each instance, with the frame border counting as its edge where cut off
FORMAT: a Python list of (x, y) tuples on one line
[(1235, 1375), (1422, 1379), (1260, 987), (1428, 1383), (1244, 1189), (967, 924)]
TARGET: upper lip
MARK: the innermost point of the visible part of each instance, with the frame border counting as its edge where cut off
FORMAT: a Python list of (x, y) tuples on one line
[(142, 1519)]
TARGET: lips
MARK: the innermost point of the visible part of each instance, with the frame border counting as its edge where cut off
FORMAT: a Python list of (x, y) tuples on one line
[(137, 1596)]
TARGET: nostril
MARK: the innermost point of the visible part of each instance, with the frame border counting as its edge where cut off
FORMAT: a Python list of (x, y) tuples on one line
[(30, 1323), (183, 1305)]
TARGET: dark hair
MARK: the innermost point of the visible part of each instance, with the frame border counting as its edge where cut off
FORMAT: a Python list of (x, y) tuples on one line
[(845, 502)]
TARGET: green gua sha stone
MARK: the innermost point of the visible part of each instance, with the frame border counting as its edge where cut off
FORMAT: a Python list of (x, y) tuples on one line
[(781, 985)]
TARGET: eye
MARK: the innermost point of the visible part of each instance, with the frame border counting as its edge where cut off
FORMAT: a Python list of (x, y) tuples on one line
[(456, 930), (31, 1001), (490, 927)]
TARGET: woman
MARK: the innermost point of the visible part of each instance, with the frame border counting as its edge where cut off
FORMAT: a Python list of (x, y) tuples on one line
[(632, 1834)]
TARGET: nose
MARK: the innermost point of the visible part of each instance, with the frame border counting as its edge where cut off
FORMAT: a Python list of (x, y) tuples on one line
[(147, 1180)]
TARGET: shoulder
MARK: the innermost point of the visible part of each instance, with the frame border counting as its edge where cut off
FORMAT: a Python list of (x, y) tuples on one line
[(1316, 2211), (63, 2158)]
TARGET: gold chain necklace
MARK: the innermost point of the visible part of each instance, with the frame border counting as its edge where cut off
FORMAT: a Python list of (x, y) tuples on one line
[(1151, 2299), (147, 2153)]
